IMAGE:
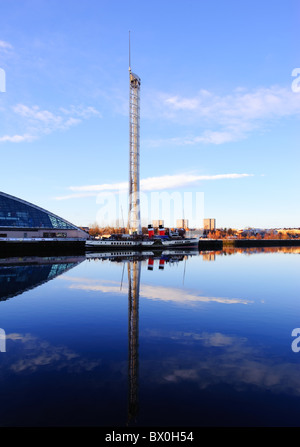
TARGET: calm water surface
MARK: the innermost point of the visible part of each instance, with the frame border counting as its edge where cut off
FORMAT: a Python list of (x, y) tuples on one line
[(185, 340)]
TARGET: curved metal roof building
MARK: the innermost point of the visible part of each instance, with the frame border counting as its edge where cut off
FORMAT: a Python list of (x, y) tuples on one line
[(21, 219)]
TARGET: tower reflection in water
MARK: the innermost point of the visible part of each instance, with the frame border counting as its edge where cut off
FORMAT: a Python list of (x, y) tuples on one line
[(134, 278), (134, 275)]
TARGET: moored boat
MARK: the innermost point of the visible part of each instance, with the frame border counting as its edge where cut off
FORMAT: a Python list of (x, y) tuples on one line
[(151, 241), (113, 243)]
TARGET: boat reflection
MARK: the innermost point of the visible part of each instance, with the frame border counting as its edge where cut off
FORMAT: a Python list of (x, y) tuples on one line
[(164, 255)]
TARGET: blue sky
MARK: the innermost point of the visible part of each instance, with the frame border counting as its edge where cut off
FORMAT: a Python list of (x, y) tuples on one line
[(219, 116)]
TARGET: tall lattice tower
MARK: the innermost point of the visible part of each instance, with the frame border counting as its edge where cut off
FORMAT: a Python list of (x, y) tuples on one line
[(134, 215)]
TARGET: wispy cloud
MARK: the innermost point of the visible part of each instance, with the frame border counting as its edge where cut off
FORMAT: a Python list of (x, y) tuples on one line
[(5, 46), (222, 119), (207, 137), (80, 111), (233, 361), (41, 354), (17, 138), (149, 184), (180, 180), (99, 188), (157, 293), (38, 122)]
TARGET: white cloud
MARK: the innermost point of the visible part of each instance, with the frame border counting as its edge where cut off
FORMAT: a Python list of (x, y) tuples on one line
[(222, 119), (80, 111), (99, 188), (5, 46), (37, 353), (38, 122), (17, 138), (177, 181), (34, 113), (46, 121), (207, 137), (157, 293), (161, 183), (182, 103), (260, 103)]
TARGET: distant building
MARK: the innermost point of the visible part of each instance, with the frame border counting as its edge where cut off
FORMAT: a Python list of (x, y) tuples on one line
[(21, 219), (209, 224), (157, 223), (182, 223)]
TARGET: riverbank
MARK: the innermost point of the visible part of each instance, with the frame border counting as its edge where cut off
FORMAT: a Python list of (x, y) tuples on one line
[(43, 248), (40, 247), (212, 244)]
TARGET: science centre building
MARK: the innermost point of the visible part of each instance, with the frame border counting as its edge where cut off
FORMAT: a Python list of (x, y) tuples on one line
[(23, 223)]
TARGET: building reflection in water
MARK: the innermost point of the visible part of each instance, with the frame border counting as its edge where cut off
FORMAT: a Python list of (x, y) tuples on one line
[(17, 275), (209, 256)]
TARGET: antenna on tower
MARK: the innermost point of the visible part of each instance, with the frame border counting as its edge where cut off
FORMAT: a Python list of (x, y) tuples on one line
[(129, 53)]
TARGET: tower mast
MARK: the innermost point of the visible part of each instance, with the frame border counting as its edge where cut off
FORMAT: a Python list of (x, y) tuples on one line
[(134, 217)]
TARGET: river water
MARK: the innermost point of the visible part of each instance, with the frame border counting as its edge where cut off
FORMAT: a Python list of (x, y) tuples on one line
[(181, 339)]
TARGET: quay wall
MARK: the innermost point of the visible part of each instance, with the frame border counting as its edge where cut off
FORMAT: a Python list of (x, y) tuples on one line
[(78, 247), (41, 248), (211, 244)]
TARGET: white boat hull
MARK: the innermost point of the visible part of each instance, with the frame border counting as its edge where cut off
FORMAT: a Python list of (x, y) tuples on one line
[(155, 244)]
